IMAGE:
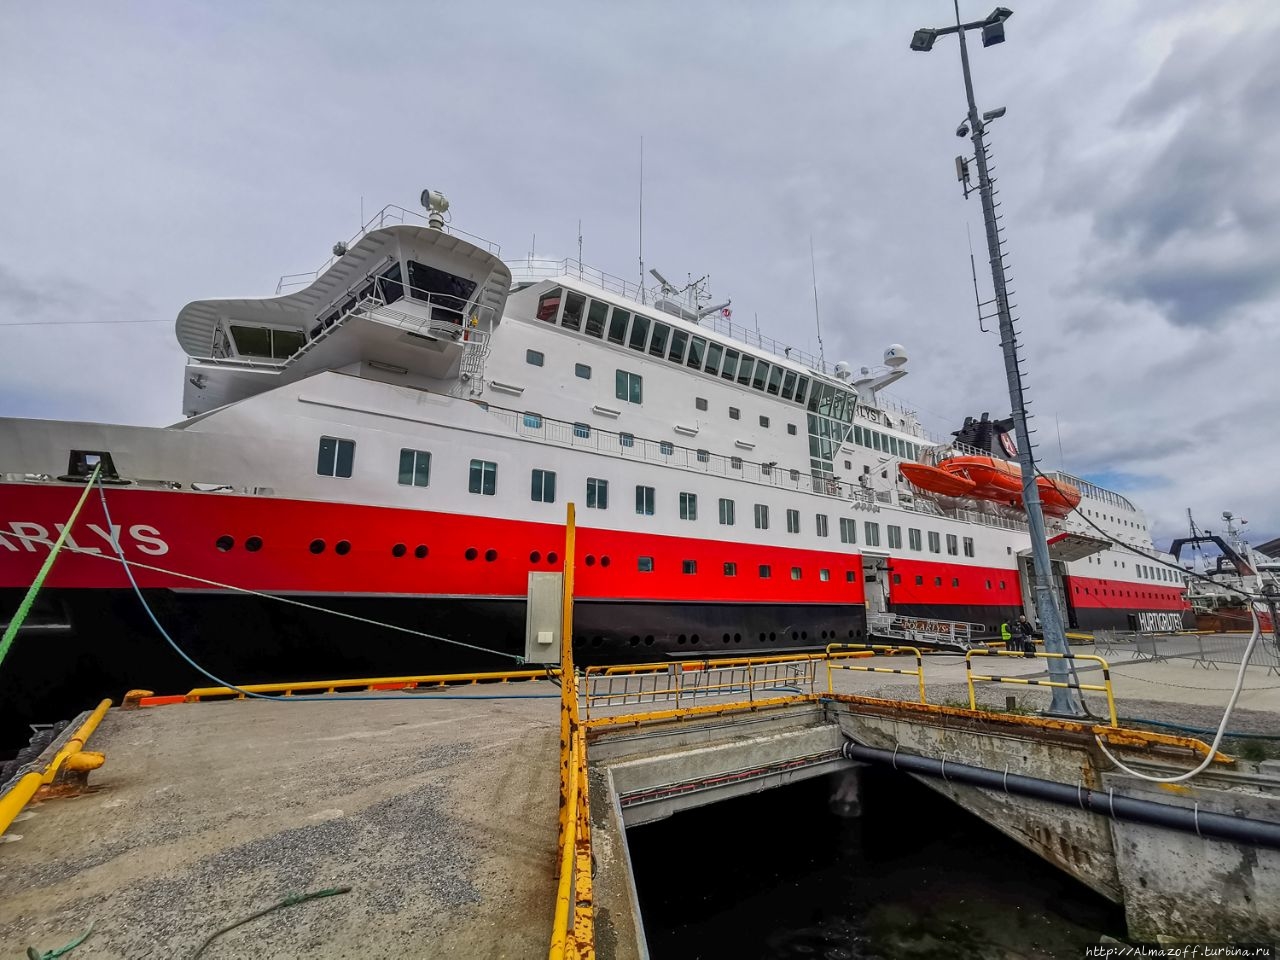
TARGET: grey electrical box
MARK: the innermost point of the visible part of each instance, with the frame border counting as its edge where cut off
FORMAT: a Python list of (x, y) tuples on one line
[(543, 618)]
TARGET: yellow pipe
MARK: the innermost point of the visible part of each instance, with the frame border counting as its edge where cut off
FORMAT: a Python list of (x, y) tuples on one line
[(564, 887), (13, 802), (333, 686)]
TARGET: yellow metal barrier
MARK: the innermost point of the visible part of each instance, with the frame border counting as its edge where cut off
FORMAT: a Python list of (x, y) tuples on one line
[(12, 803), (362, 683), (871, 649), (1104, 687)]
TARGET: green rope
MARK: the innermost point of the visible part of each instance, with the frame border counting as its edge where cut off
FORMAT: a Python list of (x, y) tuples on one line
[(289, 901), (24, 607), (34, 954)]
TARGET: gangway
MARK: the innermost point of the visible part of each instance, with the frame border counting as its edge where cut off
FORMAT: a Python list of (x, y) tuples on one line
[(924, 631)]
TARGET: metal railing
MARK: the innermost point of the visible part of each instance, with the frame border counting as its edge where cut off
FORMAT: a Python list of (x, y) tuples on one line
[(389, 216), (1104, 687), (957, 633), (1206, 650), (875, 648), (684, 683)]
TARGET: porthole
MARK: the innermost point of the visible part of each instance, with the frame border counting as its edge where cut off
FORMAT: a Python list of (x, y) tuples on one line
[(635, 641), (804, 634), (762, 636), (472, 553), (535, 557), (695, 638), (737, 638), (420, 551), (552, 558), (596, 641), (773, 636), (591, 560), (795, 635), (727, 638), (682, 639), (253, 544), (579, 641), (490, 555), (604, 561), (317, 546), (399, 550), (342, 547), (225, 543), (648, 640)]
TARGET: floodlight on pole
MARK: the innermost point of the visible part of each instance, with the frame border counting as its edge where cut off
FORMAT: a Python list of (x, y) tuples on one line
[(1065, 698)]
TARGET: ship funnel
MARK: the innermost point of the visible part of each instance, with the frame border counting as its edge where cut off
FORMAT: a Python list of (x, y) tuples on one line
[(436, 205)]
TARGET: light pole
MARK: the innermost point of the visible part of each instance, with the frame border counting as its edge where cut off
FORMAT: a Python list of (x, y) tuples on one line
[(1065, 700)]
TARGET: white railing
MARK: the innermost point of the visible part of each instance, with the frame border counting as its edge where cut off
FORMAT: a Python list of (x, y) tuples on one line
[(389, 216)]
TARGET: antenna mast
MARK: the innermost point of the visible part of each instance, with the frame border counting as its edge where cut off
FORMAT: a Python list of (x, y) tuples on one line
[(642, 300), (813, 265), (579, 249)]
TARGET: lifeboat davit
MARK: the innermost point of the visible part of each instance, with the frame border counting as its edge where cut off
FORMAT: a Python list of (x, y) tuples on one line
[(987, 478)]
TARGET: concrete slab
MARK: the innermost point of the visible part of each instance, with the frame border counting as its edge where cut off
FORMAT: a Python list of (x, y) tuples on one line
[(439, 813)]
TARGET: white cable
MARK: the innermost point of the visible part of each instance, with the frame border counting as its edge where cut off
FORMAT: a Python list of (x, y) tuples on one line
[(1222, 727)]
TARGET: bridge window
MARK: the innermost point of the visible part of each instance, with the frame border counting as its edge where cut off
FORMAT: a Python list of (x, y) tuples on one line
[(543, 486), (730, 364), (415, 468), (389, 284), (688, 506), (639, 333), (597, 493), (484, 478), (775, 381), (696, 346), (761, 375), (679, 343), (447, 292), (575, 304), (628, 386), (644, 500), (714, 353), (658, 342), (595, 319), (744, 370), (913, 538), (267, 341), (337, 457), (788, 385), (618, 325), (549, 305)]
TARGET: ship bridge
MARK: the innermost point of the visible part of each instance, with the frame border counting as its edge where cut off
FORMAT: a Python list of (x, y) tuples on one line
[(404, 298)]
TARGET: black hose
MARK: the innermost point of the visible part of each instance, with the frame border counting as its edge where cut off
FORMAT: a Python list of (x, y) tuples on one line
[(1218, 826)]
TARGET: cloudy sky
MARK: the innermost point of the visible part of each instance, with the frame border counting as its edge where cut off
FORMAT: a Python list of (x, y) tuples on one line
[(156, 153)]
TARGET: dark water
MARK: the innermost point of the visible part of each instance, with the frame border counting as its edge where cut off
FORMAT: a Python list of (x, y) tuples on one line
[(915, 878)]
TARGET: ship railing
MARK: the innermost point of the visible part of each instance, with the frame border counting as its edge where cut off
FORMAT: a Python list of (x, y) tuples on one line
[(1206, 650), (389, 216), (533, 268)]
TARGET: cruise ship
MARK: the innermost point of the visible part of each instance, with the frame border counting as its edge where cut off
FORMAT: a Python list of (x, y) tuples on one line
[(394, 438)]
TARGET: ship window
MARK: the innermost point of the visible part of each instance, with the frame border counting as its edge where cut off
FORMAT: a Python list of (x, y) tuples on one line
[(658, 342), (788, 385), (734, 413), (795, 573), (626, 440), (582, 371), (935, 543), (730, 569), (575, 305), (765, 571), (919, 581), (595, 319), (666, 448), (897, 578), (872, 531), (802, 387), (597, 493), (791, 429), (700, 403), (688, 506), (549, 305), (533, 421), (714, 354), (1001, 584), (764, 422), (644, 500), (581, 431), (704, 456), (824, 574), (762, 374), (390, 285), (337, 457), (696, 346), (795, 476), (762, 516), (895, 537), (968, 546), (851, 576), (730, 364), (628, 386), (447, 293), (688, 566), (415, 468), (821, 523), (618, 325), (679, 342), (735, 463), (775, 380), (644, 564), (267, 341), (534, 358), (848, 530), (639, 333), (744, 370), (726, 512), (484, 478), (953, 545), (793, 521), (543, 487)]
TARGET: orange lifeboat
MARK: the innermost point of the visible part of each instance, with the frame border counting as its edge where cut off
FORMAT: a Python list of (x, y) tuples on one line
[(987, 478)]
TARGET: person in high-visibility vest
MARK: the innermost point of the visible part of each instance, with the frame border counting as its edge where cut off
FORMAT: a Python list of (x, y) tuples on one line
[(1006, 634)]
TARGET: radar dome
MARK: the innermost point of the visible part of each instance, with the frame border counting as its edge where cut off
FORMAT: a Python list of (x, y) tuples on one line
[(895, 356), (842, 370)]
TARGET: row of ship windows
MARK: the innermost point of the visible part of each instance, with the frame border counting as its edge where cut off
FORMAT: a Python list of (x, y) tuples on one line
[(1120, 520), (1112, 592), (1143, 570), (937, 581), (643, 334)]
